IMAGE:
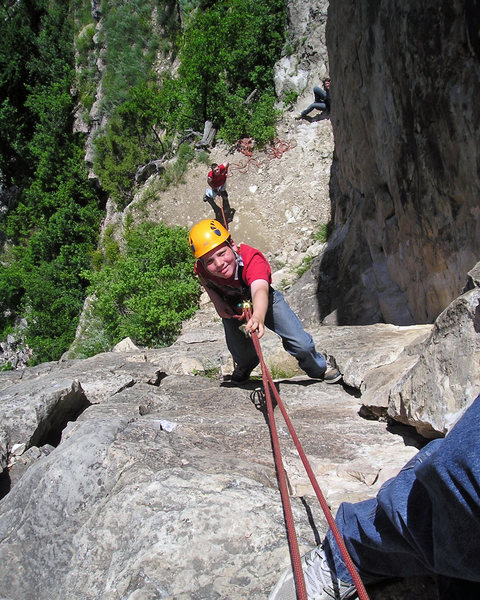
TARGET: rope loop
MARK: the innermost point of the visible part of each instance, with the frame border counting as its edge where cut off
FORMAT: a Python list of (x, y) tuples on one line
[(246, 146)]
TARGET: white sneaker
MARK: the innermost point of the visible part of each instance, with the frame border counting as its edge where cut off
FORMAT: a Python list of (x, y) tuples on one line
[(332, 372), (320, 583)]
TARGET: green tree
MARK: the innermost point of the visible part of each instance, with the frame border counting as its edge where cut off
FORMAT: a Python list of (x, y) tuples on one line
[(54, 224), (228, 52), (150, 289)]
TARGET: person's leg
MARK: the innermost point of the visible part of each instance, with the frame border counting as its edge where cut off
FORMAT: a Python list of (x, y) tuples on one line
[(320, 94), (425, 521), (241, 347), (222, 192), (281, 319), (315, 105), (210, 193), (319, 103)]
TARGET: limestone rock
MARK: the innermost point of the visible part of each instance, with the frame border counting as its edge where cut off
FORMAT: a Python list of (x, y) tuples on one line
[(405, 180), (181, 499), (445, 380)]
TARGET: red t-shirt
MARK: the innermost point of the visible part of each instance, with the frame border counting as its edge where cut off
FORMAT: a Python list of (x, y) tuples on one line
[(220, 179), (255, 266)]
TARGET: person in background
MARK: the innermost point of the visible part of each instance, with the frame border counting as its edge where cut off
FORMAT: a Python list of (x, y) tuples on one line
[(232, 274), (423, 522), (322, 99), (217, 183)]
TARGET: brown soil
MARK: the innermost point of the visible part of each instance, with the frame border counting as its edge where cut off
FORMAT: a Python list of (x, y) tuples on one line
[(279, 203)]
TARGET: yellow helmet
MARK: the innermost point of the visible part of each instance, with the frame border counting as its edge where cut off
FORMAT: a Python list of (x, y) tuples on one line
[(206, 235)]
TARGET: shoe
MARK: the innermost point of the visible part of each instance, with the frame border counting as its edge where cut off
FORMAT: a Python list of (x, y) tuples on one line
[(205, 198), (240, 375), (332, 373), (320, 582), (298, 117)]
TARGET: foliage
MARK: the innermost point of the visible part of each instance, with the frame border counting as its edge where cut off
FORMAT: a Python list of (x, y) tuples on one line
[(150, 289), (134, 137), (304, 266), (55, 221), (290, 98), (280, 372), (323, 233), (228, 52), (132, 40)]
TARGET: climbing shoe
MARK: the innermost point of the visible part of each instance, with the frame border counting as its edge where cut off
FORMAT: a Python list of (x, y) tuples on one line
[(332, 373), (320, 582)]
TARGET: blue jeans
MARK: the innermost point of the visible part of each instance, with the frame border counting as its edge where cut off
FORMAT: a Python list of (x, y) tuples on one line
[(424, 521), (281, 319), (320, 101)]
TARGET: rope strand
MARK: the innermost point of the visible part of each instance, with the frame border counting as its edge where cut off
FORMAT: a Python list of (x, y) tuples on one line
[(296, 561)]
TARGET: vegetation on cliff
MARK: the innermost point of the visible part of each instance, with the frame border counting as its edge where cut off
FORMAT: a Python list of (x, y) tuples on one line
[(52, 228)]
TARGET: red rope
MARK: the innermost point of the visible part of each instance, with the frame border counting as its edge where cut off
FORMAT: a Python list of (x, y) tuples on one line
[(223, 213), (276, 149), (297, 567)]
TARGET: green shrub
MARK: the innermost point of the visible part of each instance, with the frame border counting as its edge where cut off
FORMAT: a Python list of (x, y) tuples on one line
[(290, 98), (323, 232), (220, 68), (149, 290), (54, 224), (304, 265)]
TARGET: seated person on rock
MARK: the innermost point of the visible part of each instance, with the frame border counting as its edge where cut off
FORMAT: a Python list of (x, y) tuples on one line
[(232, 274), (322, 99), (423, 522)]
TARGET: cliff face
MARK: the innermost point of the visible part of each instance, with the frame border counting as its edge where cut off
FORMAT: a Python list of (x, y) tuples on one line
[(405, 181)]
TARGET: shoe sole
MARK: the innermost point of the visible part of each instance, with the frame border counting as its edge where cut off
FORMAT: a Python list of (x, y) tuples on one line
[(334, 379)]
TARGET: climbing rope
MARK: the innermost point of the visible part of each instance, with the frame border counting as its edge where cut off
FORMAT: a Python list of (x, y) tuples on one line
[(223, 213), (292, 538), (275, 149)]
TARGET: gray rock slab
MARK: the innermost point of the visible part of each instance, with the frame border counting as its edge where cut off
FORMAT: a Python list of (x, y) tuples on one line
[(446, 379), (179, 499)]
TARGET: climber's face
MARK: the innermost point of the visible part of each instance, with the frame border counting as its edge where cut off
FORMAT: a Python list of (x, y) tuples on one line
[(220, 261)]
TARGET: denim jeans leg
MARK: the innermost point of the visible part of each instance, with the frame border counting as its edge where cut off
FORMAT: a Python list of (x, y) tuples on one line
[(426, 520), (314, 105), (284, 322), (319, 94), (241, 347)]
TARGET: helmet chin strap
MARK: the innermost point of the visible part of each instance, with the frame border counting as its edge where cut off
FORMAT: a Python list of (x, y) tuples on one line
[(238, 260)]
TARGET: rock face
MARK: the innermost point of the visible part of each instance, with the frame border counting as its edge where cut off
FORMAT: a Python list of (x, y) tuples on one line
[(140, 475), (405, 183), (306, 60)]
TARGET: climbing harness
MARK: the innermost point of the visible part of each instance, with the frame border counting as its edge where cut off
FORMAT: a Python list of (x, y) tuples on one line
[(275, 149), (292, 538)]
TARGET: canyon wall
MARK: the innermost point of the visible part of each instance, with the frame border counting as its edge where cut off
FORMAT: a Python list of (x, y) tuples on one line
[(405, 178)]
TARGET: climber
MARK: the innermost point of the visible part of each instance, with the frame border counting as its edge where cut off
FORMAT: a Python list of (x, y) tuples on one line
[(322, 100), (231, 274), (423, 522)]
